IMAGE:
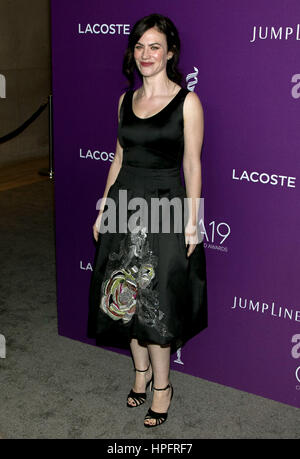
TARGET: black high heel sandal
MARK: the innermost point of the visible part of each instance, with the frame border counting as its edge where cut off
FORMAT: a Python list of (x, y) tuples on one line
[(160, 418), (139, 397)]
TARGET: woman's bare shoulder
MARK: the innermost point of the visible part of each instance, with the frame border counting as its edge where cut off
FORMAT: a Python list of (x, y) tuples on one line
[(192, 105), (193, 100), (121, 98)]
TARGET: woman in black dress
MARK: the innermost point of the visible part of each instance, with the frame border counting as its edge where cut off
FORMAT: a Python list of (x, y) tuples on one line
[(148, 289)]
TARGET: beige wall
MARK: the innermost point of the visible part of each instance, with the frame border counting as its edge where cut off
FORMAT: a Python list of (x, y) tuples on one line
[(25, 62)]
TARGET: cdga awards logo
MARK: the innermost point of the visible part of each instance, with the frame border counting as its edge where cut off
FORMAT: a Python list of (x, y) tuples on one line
[(295, 352), (192, 79)]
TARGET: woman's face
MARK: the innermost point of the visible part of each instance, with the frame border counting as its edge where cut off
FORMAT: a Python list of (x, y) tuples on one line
[(151, 52)]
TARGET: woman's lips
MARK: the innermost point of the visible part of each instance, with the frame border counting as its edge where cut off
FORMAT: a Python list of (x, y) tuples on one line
[(146, 64)]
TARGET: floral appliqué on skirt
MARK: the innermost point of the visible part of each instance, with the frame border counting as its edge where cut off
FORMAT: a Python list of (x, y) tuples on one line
[(127, 288)]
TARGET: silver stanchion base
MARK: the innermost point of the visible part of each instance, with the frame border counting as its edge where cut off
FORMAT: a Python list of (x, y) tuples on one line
[(47, 173)]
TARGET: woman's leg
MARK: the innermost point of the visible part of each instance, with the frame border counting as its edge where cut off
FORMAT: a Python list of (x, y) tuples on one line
[(141, 362), (160, 359)]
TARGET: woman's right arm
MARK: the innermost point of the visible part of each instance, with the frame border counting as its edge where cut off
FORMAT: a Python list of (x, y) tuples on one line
[(112, 175)]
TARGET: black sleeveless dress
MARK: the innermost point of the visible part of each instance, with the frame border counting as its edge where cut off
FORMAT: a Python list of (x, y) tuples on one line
[(143, 285)]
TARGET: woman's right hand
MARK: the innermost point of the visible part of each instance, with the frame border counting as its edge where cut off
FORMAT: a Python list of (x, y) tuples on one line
[(96, 227)]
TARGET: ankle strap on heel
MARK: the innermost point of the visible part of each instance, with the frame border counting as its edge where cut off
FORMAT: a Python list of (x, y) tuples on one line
[(165, 388), (142, 371)]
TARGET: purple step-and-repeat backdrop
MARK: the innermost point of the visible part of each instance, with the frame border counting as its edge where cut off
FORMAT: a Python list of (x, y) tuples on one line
[(242, 58)]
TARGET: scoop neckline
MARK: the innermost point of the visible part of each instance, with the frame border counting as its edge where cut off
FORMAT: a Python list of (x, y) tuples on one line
[(156, 114)]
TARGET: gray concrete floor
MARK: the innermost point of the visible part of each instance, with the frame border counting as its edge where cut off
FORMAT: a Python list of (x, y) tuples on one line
[(55, 387)]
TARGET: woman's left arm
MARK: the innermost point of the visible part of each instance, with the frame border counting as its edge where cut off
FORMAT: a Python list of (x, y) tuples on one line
[(193, 138)]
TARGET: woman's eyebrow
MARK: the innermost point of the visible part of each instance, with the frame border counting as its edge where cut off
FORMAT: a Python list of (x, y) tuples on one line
[(139, 43)]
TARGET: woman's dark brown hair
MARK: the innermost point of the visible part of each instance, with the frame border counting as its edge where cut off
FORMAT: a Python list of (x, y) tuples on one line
[(164, 25)]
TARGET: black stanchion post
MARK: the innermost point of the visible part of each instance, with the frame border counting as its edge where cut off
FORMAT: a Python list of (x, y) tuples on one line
[(50, 171)]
